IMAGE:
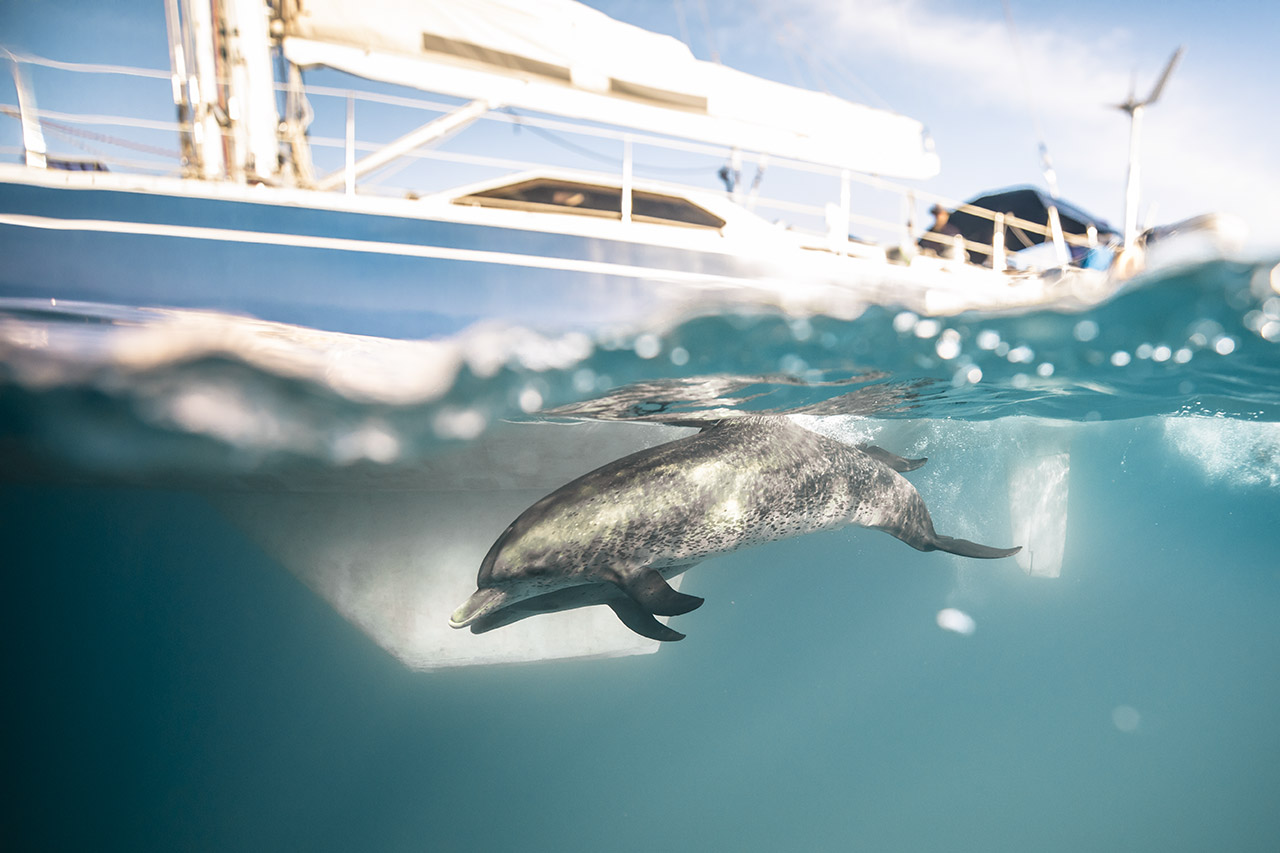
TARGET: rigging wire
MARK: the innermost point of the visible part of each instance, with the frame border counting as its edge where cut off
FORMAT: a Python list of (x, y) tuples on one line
[(711, 36), (74, 133), (815, 60), (680, 20), (589, 153), (1046, 162), (787, 52)]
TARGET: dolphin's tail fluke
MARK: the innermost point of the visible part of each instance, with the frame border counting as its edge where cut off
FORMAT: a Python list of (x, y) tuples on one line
[(911, 523), (965, 548)]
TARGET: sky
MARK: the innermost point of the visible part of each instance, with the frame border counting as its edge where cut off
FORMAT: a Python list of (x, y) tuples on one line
[(1212, 142), (1209, 144)]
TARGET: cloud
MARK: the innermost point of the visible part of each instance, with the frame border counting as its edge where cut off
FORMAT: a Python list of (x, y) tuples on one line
[(1206, 147), (976, 56)]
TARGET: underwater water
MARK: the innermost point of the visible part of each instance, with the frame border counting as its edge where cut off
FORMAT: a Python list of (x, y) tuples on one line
[(176, 682)]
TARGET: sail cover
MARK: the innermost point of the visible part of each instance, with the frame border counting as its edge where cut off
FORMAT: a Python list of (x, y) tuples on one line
[(564, 58)]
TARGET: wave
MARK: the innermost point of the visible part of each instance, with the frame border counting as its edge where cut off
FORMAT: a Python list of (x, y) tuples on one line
[(143, 392)]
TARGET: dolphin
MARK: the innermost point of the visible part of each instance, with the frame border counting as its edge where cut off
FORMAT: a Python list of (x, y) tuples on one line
[(616, 535)]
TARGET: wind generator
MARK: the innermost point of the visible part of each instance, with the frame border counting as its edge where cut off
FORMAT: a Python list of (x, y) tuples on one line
[(1134, 108)]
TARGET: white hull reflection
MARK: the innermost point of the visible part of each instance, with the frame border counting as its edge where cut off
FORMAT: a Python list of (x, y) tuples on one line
[(396, 563)]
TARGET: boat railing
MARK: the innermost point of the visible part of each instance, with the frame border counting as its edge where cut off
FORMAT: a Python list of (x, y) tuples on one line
[(828, 203)]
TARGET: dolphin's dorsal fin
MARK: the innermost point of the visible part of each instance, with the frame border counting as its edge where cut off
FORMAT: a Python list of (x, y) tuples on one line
[(895, 462), (652, 592), (641, 621)]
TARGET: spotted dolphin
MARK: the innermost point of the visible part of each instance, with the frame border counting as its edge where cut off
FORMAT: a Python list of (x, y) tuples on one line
[(616, 535)]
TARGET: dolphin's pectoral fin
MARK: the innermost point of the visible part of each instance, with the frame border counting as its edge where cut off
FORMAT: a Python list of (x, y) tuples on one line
[(641, 621), (652, 592), (895, 462), (965, 548)]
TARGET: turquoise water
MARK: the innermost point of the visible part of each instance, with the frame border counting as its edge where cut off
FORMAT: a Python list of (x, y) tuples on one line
[(172, 686)]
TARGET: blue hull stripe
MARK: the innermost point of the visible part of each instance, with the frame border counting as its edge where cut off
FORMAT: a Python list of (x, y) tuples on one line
[(372, 246)]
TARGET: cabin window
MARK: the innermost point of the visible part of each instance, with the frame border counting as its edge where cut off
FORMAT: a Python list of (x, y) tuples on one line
[(547, 195)]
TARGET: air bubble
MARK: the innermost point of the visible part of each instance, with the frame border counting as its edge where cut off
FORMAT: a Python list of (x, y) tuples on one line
[(792, 364), (679, 356), (1126, 718), (1044, 370), (584, 380), (988, 340), (1021, 355), (464, 424), (648, 345), (927, 328), (1085, 331), (530, 400), (969, 375), (1120, 358), (948, 345), (951, 619), (1161, 353), (1206, 330), (1224, 345)]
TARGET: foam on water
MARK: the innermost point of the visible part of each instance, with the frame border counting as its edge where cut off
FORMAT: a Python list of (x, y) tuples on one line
[(127, 391), (1235, 452)]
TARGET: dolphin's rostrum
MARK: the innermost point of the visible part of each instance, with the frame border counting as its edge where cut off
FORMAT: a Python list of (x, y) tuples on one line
[(616, 535)]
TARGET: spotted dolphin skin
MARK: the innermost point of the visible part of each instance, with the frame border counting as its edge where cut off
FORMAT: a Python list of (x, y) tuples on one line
[(615, 536)]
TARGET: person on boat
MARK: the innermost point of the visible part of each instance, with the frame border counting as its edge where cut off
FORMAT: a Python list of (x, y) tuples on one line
[(940, 238)]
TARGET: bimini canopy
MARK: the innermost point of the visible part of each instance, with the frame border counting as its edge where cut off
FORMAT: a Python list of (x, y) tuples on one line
[(563, 58), (1027, 203)]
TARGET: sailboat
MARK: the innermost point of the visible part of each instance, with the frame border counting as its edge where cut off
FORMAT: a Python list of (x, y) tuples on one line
[(274, 208), (244, 221)]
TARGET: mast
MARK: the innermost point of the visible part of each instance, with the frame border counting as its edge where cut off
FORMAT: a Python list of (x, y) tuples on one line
[(224, 88), (248, 91)]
